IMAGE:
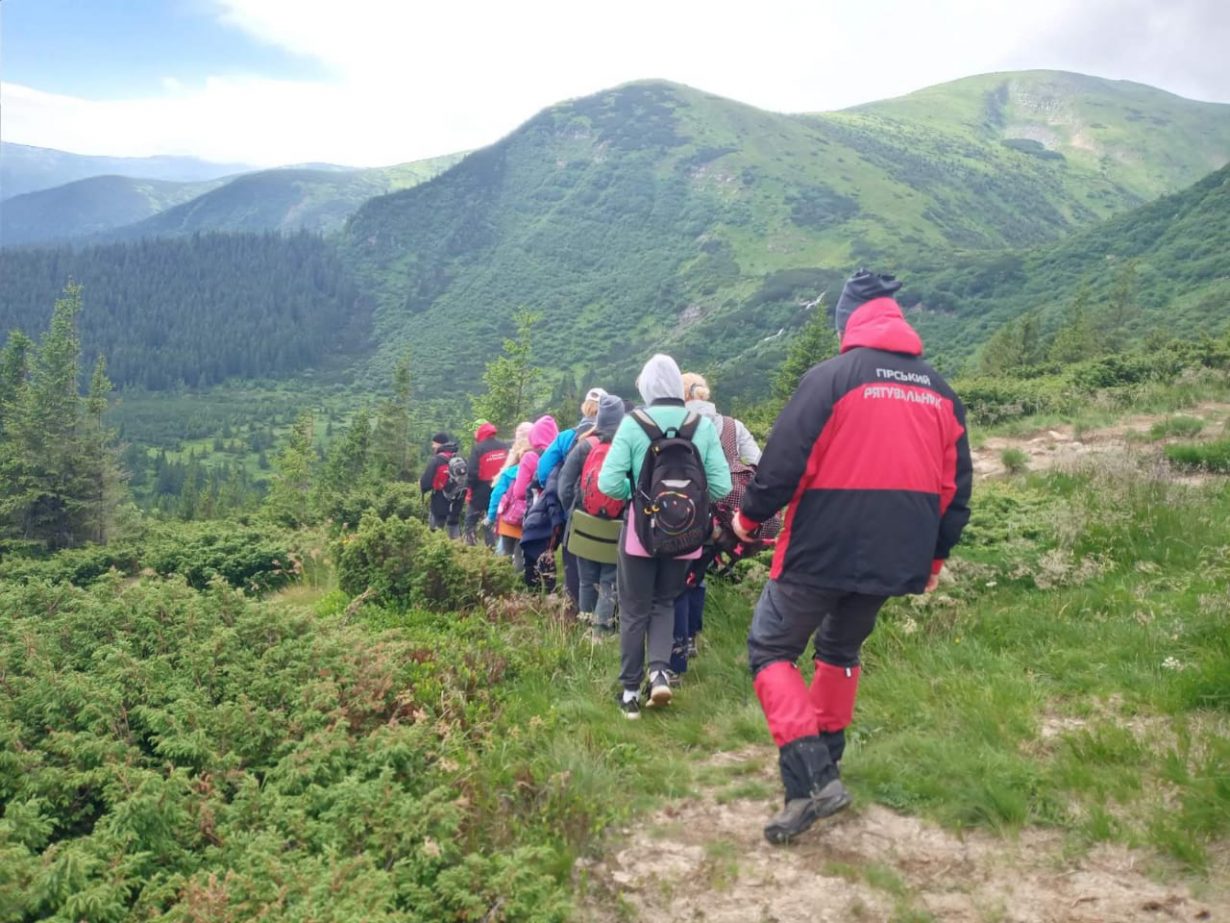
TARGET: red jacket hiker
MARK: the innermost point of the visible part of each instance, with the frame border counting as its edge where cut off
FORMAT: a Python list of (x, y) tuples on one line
[(871, 461)]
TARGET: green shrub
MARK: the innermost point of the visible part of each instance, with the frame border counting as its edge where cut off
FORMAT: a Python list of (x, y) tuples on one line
[(1176, 426), (1015, 461), (402, 563), (167, 754), (246, 557), (993, 400), (1206, 456)]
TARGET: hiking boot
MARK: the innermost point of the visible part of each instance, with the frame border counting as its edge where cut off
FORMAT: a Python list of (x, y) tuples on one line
[(800, 813), (631, 707), (660, 688), (600, 633)]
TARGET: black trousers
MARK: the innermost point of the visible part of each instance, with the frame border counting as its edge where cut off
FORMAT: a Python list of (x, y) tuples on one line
[(788, 615)]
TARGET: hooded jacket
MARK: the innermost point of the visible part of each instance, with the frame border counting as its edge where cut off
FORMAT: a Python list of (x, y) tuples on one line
[(486, 461), (745, 442), (661, 387), (554, 454), (441, 506), (542, 433), (610, 413), (871, 460)]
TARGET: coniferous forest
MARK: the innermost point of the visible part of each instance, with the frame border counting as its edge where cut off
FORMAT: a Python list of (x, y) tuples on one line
[(200, 310)]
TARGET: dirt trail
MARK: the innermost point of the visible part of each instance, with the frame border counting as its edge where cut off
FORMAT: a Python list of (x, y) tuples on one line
[(704, 859), (1063, 446)]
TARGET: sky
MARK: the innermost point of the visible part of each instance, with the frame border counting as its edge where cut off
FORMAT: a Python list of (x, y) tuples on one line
[(373, 82)]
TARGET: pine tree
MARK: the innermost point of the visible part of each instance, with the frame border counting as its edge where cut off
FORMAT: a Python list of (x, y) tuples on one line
[(345, 468), (392, 458), (290, 489), (61, 480), (1076, 339), (14, 373), (814, 343), (1122, 312), (103, 469), (511, 379), (1013, 348)]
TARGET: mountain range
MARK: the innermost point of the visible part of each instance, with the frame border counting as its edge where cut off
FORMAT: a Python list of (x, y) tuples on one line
[(28, 169), (315, 198), (658, 216)]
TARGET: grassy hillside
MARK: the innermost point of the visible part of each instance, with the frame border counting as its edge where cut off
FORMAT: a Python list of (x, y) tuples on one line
[(1171, 258), (1148, 141), (89, 206), (655, 215)]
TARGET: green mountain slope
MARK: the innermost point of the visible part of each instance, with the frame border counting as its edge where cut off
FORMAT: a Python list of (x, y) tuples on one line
[(658, 216), (89, 206), (1148, 141), (24, 168), (1171, 257), (285, 200)]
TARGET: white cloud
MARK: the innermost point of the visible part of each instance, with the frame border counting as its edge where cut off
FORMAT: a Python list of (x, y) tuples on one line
[(410, 80)]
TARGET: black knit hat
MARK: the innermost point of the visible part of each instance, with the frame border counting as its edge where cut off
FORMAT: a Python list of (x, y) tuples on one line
[(859, 289), (442, 438)]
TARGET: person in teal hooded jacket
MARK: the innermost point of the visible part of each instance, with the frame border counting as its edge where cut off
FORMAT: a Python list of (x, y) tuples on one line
[(648, 585)]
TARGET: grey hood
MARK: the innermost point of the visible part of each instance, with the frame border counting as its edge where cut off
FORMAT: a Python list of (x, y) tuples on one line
[(660, 379)]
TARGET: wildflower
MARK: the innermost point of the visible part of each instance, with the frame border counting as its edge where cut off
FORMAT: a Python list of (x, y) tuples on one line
[(909, 626), (1173, 663)]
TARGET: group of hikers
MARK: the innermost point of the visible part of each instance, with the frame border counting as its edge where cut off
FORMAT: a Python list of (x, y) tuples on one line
[(862, 489)]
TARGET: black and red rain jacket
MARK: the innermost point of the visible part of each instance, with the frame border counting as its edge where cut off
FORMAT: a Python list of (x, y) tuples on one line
[(871, 460), (486, 462)]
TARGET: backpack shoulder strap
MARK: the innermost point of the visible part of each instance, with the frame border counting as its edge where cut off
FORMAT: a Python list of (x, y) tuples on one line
[(690, 424), (651, 428), (728, 438)]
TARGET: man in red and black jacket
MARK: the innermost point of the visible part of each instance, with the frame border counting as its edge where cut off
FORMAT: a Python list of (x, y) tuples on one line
[(871, 461), (486, 461), (447, 497)]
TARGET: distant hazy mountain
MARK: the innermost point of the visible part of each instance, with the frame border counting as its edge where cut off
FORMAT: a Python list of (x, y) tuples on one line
[(88, 207), (27, 169), (284, 199)]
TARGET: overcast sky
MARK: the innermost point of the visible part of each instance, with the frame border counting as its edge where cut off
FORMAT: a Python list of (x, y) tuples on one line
[(368, 82)]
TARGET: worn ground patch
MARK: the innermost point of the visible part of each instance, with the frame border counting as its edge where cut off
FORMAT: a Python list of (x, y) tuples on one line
[(1063, 447), (704, 858)]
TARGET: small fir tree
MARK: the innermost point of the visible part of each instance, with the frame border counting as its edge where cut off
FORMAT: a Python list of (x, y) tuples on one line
[(511, 379), (815, 342)]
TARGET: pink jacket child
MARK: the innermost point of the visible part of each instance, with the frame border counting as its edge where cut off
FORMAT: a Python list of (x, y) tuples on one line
[(542, 434)]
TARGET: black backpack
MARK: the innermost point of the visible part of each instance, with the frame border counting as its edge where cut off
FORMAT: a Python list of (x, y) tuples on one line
[(456, 483), (672, 493)]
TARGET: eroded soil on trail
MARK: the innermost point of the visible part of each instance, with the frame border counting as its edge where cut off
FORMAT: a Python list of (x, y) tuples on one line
[(1065, 446), (704, 858)]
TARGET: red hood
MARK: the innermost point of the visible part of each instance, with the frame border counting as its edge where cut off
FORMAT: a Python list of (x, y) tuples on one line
[(486, 431), (880, 324)]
